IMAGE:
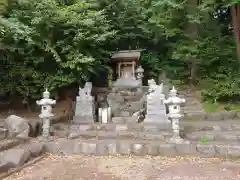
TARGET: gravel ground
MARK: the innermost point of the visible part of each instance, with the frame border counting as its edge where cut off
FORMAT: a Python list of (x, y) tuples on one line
[(129, 168)]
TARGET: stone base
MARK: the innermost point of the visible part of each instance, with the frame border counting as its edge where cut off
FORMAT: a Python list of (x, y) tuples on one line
[(127, 83), (178, 140), (154, 119), (83, 119), (45, 139)]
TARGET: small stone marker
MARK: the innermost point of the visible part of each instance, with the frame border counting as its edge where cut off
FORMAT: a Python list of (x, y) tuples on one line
[(85, 109), (156, 110)]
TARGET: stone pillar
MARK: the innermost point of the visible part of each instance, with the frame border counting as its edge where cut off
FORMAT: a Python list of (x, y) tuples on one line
[(46, 112), (175, 115), (156, 110), (85, 105), (133, 69), (119, 70)]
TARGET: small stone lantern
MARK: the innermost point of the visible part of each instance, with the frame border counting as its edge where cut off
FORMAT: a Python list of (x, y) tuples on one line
[(173, 102), (139, 72), (46, 112)]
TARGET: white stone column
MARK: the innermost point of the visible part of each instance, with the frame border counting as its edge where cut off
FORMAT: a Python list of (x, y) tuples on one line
[(119, 69), (133, 69)]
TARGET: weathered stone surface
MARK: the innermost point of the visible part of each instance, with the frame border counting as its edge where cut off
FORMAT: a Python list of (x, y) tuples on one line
[(61, 133), (167, 150), (120, 120), (85, 127), (124, 147), (106, 135), (206, 149), (102, 148), (237, 116), (105, 127), (115, 101), (3, 133), (4, 167), (228, 150), (124, 114), (121, 127), (127, 135), (226, 137), (214, 117), (89, 148), (152, 149), (156, 109), (135, 127), (17, 157), (51, 147), (112, 148), (136, 106), (34, 148), (85, 106), (151, 128), (138, 149), (107, 148), (17, 126), (199, 116), (196, 136), (228, 115), (186, 149), (151, 136), (85, 134), (216, 128)]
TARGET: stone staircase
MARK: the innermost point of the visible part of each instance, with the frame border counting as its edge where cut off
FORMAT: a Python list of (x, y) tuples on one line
[(193, 105), (207, 138)]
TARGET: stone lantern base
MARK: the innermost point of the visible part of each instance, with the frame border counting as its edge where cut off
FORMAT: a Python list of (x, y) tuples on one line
[(127, 83)]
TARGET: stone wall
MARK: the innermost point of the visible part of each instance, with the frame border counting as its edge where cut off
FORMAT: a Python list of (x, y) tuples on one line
[(213, 116), (127, 101)]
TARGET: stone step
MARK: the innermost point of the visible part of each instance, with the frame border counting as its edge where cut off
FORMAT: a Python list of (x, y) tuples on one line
[(121, 135), (187, 126), (134, 147), (218, 135), (141, 127)]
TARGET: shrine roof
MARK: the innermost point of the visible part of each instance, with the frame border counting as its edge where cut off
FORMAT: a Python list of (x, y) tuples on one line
[(127, 54)]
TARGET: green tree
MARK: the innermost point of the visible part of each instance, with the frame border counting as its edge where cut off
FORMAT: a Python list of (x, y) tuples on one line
[(50, 43)]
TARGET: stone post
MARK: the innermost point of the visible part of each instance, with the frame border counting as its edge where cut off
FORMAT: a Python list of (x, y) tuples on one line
[(46, 112), (173, 102)]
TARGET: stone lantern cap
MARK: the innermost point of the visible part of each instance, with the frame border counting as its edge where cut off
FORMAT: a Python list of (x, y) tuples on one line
[(173, 99), (46, 99), (140, 70)]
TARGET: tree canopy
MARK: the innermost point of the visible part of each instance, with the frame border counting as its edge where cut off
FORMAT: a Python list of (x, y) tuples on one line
[(58, 42)]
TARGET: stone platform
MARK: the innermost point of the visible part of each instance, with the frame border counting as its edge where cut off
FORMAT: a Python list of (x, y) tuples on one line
[(206, 138)]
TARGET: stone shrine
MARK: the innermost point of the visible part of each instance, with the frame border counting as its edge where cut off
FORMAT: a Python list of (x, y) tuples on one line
[(85, 108), (156, 109), (127, 68)]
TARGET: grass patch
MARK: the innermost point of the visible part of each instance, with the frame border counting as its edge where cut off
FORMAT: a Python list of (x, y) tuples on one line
[(220, 107)]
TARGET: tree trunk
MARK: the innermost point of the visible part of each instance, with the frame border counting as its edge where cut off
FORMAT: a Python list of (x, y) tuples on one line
[(235, 13), (192, 32)]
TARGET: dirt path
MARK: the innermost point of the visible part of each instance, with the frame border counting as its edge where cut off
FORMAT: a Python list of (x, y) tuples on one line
[(129, 168)]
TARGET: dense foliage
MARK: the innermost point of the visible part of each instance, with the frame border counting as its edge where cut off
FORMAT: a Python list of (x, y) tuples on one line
[(57, 42)]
